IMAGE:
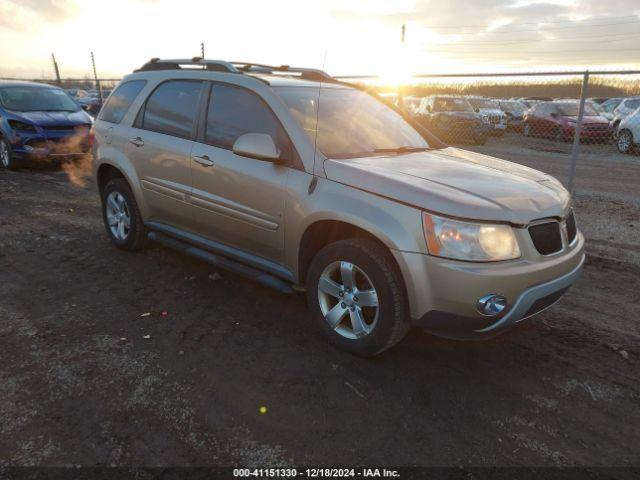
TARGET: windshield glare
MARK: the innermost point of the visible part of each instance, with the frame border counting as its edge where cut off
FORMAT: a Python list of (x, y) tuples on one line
[(572, 110), (33, 99), (483, 103), (351, 123), (444, 104)]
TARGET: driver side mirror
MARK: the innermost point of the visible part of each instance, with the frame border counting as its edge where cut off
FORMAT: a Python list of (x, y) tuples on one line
[(86, 107), (257, 145), (476, 109)]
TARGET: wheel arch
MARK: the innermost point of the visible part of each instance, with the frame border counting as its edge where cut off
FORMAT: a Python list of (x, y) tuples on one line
[(323, 232)]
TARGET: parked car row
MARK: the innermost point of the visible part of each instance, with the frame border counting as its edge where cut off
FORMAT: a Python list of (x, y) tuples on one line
[(471, 119)]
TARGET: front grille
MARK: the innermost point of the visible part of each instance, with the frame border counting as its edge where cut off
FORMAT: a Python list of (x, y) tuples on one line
[(494, 119), (545, 302), (572, 230), (546, 237)]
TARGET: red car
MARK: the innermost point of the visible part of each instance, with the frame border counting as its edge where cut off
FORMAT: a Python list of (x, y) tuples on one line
[(558, 120)]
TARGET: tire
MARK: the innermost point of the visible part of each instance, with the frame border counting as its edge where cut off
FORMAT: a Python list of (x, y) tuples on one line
[(559, 136), (117, 197), (624, 142), (374, 270), (480, 140), (7, 160)]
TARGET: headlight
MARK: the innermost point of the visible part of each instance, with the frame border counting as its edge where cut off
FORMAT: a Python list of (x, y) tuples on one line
[(21, 126), (469, 241)]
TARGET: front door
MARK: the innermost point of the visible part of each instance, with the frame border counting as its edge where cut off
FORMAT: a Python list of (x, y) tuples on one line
[(239, 201)]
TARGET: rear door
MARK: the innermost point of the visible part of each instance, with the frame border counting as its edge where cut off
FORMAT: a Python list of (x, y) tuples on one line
[(239, 201), (159, 145)]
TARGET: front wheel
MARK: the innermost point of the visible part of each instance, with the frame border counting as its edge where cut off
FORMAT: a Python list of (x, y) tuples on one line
[(357, 298), (6, 155), (624, 141)]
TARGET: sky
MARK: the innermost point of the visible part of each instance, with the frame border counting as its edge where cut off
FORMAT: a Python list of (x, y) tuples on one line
[(344, 37)]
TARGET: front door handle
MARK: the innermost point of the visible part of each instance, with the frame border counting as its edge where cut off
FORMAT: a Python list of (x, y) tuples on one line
[(137, 141), (204, 160)]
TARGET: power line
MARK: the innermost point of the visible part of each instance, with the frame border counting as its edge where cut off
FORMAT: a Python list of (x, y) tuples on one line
[(596, 38), (625, 17), (542, 27)]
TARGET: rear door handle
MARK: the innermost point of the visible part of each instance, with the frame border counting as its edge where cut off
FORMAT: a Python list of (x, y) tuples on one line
[(137, 141), (204, 160)]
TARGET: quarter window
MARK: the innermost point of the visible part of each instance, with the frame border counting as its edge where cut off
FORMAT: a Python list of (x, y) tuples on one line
[(120, 101), (172, 108), (234, 111)]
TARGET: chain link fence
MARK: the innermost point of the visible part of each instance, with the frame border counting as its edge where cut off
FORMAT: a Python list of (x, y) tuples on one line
[(564, 116)]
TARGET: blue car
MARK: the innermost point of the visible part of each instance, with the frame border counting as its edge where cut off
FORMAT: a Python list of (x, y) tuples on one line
[(39, 122)]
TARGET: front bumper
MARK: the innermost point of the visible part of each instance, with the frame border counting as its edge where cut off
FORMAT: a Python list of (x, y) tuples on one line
[(38, 146), (443, 293)]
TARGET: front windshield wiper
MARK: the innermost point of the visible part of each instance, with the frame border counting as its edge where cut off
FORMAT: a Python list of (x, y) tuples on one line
[(400, 150)]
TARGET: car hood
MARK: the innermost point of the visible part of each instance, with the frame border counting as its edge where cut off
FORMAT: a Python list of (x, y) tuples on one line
[(58, 119), (491, 111), (458, 115), (457, 183), (588, 119)]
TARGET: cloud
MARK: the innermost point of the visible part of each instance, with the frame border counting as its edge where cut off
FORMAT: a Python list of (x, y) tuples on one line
[(23, 14)]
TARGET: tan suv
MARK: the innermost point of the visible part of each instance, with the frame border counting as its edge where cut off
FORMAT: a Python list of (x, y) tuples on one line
[(302, 182)]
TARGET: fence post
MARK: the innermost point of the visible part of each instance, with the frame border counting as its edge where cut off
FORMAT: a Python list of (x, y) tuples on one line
[(95, 77), (575, 150)]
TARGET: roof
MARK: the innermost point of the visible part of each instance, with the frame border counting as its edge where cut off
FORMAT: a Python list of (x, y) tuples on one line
[(24, 83), (276, 80)]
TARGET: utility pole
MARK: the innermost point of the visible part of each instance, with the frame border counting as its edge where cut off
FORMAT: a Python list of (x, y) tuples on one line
[(95, 77), (55, 69), (202, 49), (401, 87)]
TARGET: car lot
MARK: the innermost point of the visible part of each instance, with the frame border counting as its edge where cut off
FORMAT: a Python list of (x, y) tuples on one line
[(81, 384)]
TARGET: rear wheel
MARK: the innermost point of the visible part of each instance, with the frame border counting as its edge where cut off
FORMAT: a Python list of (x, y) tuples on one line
[(356, 296), (625, 142), (121, 216), (6, 155)]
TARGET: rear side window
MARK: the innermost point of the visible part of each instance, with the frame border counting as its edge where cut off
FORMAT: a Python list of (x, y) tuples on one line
[(633, 104), (118, 104), (172, 108), (234, 111)]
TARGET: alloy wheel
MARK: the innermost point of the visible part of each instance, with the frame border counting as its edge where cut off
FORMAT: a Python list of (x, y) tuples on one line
[(624, 142), (118, 216), (348, 300)]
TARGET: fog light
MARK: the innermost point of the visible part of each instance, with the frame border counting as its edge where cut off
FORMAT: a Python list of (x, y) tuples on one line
[(491, 305)]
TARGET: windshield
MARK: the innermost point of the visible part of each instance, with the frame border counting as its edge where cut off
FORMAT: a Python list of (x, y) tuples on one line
[(513, 107), (351, 123), (572, 109), (483, 103), (447, 104), (37, 99)]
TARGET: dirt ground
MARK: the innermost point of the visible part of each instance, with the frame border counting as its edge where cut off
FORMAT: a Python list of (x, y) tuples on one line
[(86, 378)]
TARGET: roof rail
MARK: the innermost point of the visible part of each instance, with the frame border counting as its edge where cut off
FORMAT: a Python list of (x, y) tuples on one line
[(177, 64), (305, 73), (234, 67)]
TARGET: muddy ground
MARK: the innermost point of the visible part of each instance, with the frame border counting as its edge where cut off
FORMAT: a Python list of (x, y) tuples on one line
[(86, 379)]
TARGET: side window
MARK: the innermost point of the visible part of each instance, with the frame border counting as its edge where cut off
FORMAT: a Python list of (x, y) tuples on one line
[(633, 104), (120, 101), (234, 111), (172, 108)]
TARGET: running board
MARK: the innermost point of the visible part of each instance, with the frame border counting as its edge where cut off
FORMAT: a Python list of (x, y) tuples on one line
[(222, 262)]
